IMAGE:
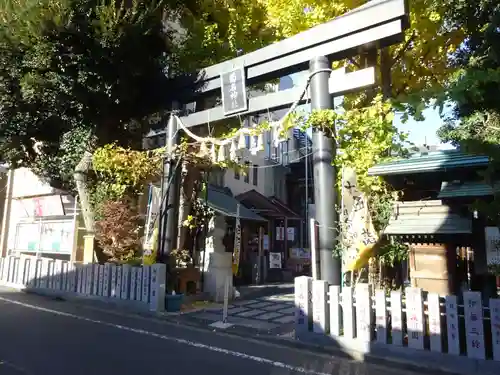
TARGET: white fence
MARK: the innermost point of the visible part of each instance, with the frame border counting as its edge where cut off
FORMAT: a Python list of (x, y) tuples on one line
[(443, 325), (141, 284)]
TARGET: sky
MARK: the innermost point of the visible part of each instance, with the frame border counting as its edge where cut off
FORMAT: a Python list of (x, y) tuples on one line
[(419, 132)]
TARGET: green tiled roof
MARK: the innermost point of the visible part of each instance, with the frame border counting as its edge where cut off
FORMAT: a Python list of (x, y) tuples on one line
[(426, 217), (430, 162), (467, 189), (226, 205)]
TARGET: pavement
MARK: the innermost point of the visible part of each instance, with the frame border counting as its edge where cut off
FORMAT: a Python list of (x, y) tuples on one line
[(272, 315), (42, 336)]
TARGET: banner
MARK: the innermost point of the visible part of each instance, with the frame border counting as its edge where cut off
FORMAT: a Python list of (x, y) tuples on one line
[(360, 235), (154, 203), (237, 242)]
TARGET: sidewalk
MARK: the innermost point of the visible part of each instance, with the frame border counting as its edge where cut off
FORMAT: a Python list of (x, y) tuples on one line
[(270, 315)]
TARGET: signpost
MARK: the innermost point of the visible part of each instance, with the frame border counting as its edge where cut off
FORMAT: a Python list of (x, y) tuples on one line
[(374, 25)]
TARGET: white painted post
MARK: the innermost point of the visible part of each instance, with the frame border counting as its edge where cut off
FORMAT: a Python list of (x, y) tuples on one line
[(80, 278), (95, 281), (64, 275), (6, 268), (320, 307), (434, 314), (72, 277), (396, 318), (226, 300), (1, 267), (21, 275), (89, 270), (495, 327), (15, 273), (348, 312), (10, 269), (133, 283), (44, 277), (363, 312), (119, 279), (106, 288), (58, 269), (381, 316), (52, 273), (335, 311), (474, 329), (415, 317), (314, 249), (113, 269), (38, 272), (100, 272), (453, 334), (32, 273), (159, 288), (138, 286), (303, 308), (125, 293), (146, 281)]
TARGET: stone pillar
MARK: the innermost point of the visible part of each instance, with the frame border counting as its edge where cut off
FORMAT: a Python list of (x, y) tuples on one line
[(218, 263)]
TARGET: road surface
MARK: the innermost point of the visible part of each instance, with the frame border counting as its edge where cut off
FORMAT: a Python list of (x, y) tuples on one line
[(40, 336)]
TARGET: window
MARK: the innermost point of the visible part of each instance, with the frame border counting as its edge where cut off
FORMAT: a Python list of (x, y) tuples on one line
[(236, 174), (216, 177), (247, 174), (255, 175)]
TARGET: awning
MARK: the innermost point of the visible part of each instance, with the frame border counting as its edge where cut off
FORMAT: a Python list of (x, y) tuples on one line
[(226, 205), (269, 207), (467, 189), (426, 217)]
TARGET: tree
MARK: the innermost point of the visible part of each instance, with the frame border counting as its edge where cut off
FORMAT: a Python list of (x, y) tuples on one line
[(474, 123), (79, 74)]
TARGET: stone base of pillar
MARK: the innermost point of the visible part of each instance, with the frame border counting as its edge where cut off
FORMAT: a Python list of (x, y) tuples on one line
[(88, 248), (219, 271)]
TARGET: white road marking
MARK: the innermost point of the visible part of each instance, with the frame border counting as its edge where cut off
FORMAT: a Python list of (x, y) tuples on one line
[(173, 339)]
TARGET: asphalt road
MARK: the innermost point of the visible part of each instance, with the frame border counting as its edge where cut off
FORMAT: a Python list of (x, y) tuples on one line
[(40, 336)]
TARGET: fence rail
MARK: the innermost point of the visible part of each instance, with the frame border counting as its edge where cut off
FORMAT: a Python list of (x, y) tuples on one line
[(414, 319), (145, 285)]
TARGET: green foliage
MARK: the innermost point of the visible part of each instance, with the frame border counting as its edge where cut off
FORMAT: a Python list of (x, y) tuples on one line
[(474, 124), (80, 73), (122, 173), (392, 253)]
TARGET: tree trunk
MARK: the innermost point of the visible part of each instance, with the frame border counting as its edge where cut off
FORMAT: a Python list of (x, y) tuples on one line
[(80, 176), (190, 175)]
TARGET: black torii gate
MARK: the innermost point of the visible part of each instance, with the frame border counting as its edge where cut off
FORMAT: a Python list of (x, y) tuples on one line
[(375, 25)]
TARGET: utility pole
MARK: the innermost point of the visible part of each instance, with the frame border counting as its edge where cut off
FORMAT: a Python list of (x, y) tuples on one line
[(323, 153)]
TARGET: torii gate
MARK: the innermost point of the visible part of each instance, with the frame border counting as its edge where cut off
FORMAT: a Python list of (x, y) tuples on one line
[(375, 25)]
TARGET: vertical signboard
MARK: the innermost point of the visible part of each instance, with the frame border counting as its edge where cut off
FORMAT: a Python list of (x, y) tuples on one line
[(381, 316), (434, 311), (453, 334), (415, 317), (495, 327), (158, 287), (474, 330), (320, 306), (234, 93), (363, 312), (303, 308)]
